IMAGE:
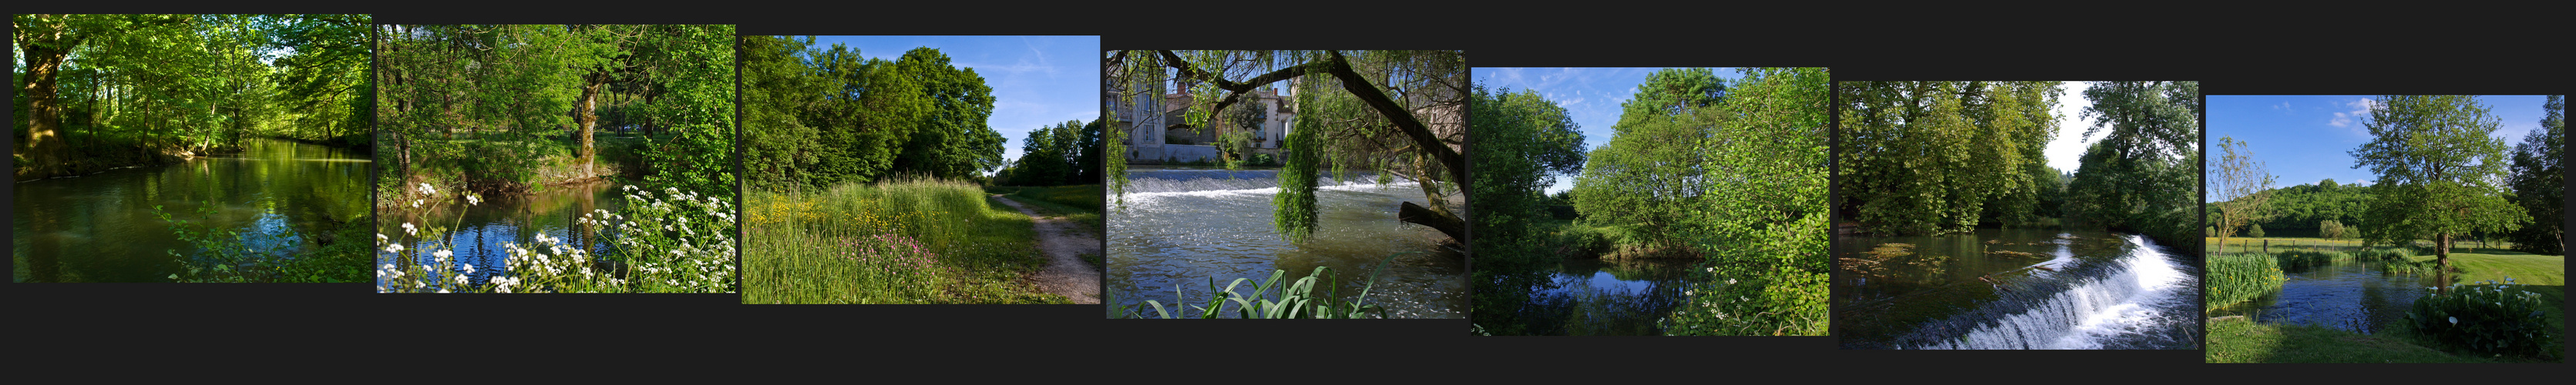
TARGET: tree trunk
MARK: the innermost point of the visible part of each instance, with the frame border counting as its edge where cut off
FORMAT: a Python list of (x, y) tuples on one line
[(1450, 225), (45, 52), (588, 117), (2442, 251)]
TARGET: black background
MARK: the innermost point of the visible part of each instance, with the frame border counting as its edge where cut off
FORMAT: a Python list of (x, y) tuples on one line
[(346, 333)]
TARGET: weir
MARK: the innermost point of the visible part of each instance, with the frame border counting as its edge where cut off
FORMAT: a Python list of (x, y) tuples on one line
[(2140, 300)]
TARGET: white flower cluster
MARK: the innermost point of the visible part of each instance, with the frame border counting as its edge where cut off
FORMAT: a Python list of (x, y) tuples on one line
[(658, 247)]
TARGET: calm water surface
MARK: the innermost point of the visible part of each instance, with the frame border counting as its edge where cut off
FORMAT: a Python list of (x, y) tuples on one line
[(100, 227), (2349, 295), (1179, 228)]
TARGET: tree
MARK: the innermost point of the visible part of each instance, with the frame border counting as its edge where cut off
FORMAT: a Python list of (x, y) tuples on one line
[(2143, 174), (1651, 170), (1397, 112), (2243, 188), (1523, 141), (2540, 183), (2438, 171), (952, 140), (1931, 157)]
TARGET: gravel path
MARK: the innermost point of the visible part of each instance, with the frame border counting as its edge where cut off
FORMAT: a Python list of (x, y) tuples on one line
[(1064, 242)]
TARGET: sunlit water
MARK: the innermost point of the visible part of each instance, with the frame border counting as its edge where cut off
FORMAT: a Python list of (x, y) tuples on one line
[(100, 227), (1179, 228), (2015, 289), (2348, 295), (483, 231)]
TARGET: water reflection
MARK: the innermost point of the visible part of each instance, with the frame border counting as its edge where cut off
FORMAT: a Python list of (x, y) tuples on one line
[(101, 228), (1597, 297), (2349, 295), (483, 231), (1179, 228)]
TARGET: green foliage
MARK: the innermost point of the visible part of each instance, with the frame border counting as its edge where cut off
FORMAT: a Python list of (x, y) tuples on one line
[(2256, 231), (2142, 175), (152, 84), (2539, 181), (818, 117), (269, 256), (2438, 169), (1651, 171), (1941, 157), (1297, 300), (1050, 156), (2237, 277), (668, 241), (2330, 229), (1522, 140), (2491, 317)]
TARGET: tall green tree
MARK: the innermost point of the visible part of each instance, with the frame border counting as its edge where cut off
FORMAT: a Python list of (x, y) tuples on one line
[(1651, 172), (953, 141), (1931, 157), (2440, 171), (2539, 181), (1523, 142), (2144, 173)]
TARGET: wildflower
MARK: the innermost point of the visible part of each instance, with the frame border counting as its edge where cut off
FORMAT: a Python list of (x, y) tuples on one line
[(380, 238), (426, 190), (394, 248), (409, 229), (473, 199)]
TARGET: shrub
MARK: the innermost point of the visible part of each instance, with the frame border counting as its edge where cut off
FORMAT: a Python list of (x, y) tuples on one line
[(2330, 229), (2488, 317), (2255, 230), (2301, 260), (2211, 231)]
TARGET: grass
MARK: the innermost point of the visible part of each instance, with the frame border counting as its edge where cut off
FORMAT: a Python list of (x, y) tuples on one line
[(2239, 277), (2235, 339), (1079, 203), (908, 241), (2238, 340)]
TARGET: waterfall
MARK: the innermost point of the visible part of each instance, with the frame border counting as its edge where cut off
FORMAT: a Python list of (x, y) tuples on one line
[(2140, 298)]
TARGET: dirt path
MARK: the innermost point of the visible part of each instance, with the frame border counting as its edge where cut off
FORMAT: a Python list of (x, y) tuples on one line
[(1064, 242)]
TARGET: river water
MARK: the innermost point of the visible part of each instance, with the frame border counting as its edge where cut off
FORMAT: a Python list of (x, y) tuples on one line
[(2346, 294), (1179, 228), (2013, 289), (1607, 297), (101, 228), (482, 231)]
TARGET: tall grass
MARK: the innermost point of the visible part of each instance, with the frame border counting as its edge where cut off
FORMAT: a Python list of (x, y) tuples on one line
[(1296, 300), (904, 241), (2239, 277)]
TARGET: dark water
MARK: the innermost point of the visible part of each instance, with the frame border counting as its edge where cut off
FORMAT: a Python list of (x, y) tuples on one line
[(481, 231), (1594, 297), (1178, 228), (2013, 289), (2349, 295), (100, 227)]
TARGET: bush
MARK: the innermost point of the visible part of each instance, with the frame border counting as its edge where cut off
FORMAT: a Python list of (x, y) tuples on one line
[(2330, 229), (2301, 260), (2211, 231), (2254, 230), (2488, 317)]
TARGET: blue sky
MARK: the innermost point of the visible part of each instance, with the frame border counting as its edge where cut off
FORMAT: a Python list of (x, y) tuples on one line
[(1036, 80), (2304, 139), (1591, 95)]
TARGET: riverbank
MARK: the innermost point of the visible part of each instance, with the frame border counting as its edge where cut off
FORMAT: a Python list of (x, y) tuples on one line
[(2244, 339), (908, 242), (95, 155)]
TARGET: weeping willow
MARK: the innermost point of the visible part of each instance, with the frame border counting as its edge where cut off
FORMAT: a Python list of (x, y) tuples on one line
[(1293, 210)]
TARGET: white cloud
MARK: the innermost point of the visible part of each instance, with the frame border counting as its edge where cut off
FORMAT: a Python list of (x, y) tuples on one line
[(2350, 119)]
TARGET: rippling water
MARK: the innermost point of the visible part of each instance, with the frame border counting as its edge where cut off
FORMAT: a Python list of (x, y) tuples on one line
[(2348, 295), (100, 227), (1179, 228)]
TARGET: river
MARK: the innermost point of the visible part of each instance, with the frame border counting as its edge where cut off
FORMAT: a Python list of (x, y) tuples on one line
[(101, 228), (2014, 289), (1179, 228)]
